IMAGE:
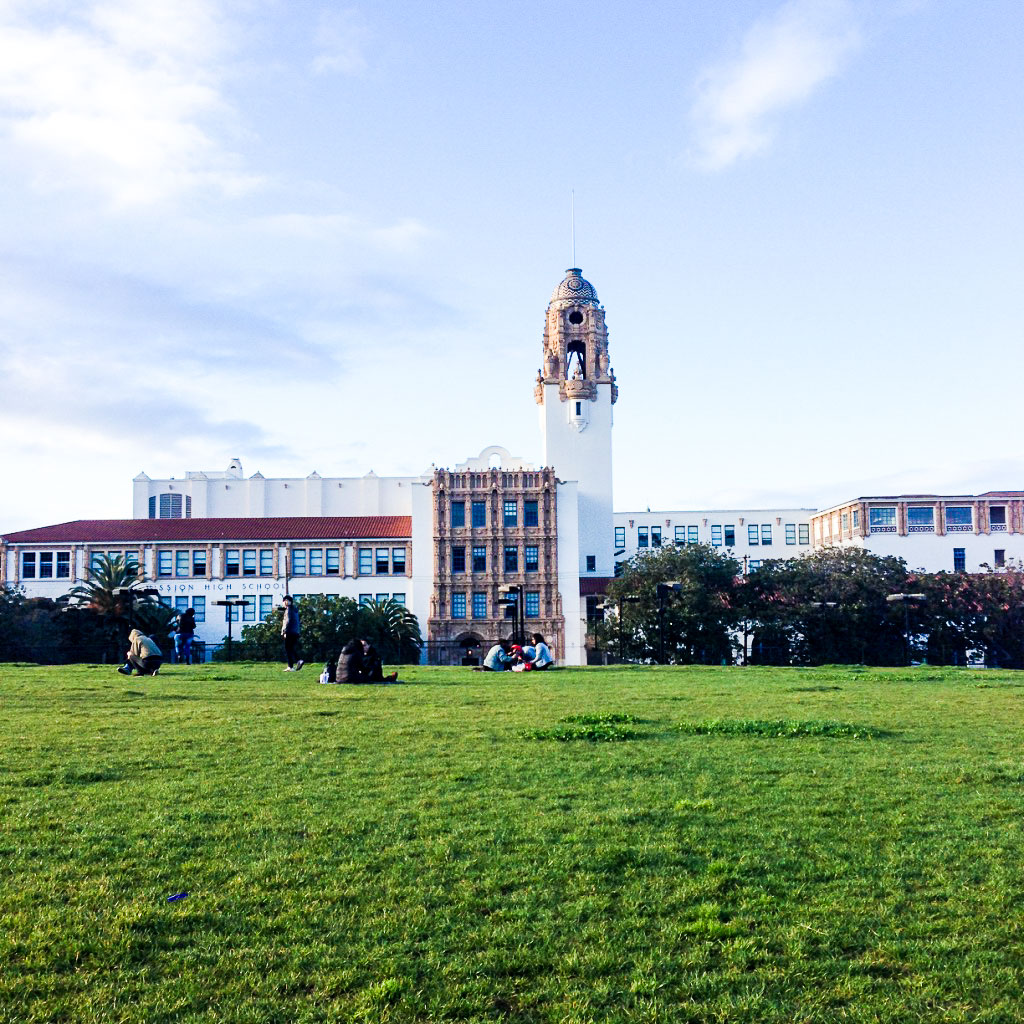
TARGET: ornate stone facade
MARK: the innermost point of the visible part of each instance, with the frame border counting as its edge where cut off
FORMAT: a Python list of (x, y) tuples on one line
[(575, 343), (479, 516)]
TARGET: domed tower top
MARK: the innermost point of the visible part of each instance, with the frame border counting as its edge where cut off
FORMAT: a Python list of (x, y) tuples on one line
[(575, 353), (575, 289)]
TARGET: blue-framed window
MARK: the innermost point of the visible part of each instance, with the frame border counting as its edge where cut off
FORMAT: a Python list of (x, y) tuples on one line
[(249, 563), (266, 561), (232, 562), (730, 536), (266, 606), (458, 606), (531, 558), (479, 559), (753, 535), (805, 530), (655, 536), (530, 515), (691, 535), (479, 605), (716, 536), (181, 560), (458, 558), (620, 538), (383, 561), (298, 561), (766, 534), (642, 537), (398, 561), (316, 561), (532, 604), (790, 533), (510, 512), (366, 561), (479, 513), (959, 559), (199, 562), (458, 513), (199, 607), (511, 559), (163, 563)]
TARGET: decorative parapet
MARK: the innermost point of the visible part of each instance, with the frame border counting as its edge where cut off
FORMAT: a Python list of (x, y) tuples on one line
[(574, 390)]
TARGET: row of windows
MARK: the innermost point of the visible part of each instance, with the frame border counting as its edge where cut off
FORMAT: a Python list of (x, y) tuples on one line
[(479, 605), (721, 535), (478, 555), (304, 562), (509, 513), (46, 565), (924, 515), (261, 610)]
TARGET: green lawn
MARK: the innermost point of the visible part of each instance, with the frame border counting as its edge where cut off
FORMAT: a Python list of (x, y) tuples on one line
[(452, 849)]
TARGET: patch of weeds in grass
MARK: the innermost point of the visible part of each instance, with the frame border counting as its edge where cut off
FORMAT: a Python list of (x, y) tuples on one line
[(813, 689), (608, 719), (591, 733), (782, 728)]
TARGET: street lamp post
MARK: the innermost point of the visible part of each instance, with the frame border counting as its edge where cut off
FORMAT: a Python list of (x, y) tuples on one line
[(514, 599), (231, 604), (623, 601), (665, 590), (906, 600)]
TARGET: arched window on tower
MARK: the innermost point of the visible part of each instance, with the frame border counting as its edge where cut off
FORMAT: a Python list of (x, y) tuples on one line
[(576, 361)]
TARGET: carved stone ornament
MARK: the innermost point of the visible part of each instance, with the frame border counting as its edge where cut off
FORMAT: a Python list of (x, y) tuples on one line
[(577, 389)]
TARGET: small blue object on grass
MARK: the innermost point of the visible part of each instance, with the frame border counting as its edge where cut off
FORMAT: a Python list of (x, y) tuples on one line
[(177, 896)]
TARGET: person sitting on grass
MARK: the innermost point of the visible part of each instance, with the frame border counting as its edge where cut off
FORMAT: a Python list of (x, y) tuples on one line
[(373, 668), (498, 658), (143, 655), (542, 658)]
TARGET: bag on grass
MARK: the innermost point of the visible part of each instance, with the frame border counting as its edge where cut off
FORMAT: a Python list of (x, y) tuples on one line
[(327, 676)]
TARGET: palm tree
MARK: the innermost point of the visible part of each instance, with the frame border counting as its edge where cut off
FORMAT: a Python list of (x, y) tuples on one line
[(106, 576), (392, 628)]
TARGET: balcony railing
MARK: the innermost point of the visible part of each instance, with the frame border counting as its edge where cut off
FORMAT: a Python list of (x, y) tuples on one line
[(959, 529), (921, 528), (998, 527), (882, 529)]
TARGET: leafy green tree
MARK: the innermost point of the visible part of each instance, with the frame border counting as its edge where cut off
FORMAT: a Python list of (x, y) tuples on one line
[(329, 622), (828, 607), (693, 622)]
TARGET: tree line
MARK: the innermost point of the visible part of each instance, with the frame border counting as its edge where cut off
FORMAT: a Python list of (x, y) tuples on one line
[(690, 604), (91, 624)]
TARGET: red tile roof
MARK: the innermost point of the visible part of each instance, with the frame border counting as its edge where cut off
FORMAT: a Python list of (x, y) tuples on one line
[(140, 531)]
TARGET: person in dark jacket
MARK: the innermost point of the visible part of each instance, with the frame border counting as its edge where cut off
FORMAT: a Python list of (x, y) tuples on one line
[(290, 629), (373, 668), (186, 632), (350, 663)]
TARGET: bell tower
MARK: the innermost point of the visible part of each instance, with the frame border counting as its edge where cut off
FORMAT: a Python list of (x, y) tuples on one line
[(576, 390)]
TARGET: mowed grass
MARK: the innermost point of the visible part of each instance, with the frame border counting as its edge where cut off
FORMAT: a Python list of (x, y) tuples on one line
[(424, 853)]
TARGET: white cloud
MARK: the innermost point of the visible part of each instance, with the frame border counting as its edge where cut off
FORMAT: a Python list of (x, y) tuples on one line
[(117, 97), (783, 59), (341, 38)]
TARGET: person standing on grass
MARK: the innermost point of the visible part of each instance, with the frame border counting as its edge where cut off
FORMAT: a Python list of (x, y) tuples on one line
[(290, 630), (186, 631)]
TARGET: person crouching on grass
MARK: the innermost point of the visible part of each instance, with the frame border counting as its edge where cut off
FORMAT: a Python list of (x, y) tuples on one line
[(143, 655)]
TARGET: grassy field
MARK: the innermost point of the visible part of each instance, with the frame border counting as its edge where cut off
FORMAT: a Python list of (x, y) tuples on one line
[(642, 844)]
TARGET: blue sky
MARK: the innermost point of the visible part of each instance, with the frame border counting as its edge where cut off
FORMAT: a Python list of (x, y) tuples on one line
[(322, 236)]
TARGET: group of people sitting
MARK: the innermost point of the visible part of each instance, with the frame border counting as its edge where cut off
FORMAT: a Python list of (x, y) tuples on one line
[(505, 656), (358, 662)]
